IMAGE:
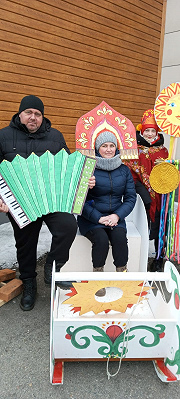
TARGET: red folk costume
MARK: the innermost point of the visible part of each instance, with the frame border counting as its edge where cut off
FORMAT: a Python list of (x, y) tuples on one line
[(148, 152)]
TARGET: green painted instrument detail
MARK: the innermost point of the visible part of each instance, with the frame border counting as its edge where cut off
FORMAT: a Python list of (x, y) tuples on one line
[(49, 183), (87, 171)]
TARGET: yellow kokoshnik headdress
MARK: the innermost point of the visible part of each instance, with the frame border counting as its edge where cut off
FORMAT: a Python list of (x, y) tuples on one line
[(101, 119)]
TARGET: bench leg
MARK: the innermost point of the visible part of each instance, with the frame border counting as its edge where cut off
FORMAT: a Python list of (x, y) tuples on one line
[(163, 372), (58, 372)]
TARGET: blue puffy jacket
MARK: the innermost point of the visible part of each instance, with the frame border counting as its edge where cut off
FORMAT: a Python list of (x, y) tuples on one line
[(114, 192)]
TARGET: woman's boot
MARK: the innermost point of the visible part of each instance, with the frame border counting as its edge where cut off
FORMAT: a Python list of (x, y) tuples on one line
[(121, 268), (102, 291)]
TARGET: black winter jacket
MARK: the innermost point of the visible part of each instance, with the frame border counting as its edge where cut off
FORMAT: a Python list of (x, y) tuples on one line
[(16, 139), (114, 192)]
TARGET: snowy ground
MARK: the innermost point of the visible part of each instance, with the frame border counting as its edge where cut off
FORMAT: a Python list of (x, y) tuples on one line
[(8, 250)]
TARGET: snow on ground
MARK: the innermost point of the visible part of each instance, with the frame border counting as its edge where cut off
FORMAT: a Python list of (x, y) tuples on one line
[(8, 250)]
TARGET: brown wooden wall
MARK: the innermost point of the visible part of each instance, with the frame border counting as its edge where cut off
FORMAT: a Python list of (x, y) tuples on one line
[(74, 54)]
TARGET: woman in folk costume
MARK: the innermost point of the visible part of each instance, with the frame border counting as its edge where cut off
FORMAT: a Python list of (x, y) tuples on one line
[(106, 206), (150, 149)]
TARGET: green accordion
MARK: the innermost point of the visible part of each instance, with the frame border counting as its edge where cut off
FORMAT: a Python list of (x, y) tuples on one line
[(36, 186)]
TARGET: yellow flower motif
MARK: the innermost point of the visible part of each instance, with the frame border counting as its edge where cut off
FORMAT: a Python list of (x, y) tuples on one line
[(121, 122), (88, 122), (83, 140), (104, 111), (129, 139)]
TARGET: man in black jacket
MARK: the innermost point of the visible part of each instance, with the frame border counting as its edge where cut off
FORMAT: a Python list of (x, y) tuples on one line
[(29, 131)]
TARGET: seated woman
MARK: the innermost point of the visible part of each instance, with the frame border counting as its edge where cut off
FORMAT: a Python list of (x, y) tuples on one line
[(107, 205)]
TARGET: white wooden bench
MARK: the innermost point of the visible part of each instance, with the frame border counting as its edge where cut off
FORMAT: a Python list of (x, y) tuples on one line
[(138, 242)]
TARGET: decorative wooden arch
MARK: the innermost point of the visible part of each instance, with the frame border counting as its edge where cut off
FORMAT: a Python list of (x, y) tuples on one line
[(105, 118)]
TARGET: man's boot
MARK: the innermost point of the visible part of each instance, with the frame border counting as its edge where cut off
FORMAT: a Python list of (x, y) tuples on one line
[(29, 293), (102, 291), (47, 273), (65, 285)]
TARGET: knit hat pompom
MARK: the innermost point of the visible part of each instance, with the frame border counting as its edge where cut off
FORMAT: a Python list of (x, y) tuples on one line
[(148, 121), (105, 137), (139, 127), (31, 102)]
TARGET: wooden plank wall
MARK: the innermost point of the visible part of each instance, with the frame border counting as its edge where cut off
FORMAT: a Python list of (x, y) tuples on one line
[(74, 54)]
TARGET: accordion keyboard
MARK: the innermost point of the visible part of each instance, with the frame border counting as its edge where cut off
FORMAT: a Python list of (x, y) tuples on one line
[(14, 208)]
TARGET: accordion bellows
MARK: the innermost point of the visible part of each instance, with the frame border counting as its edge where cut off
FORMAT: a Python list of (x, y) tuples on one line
[(49, 183)]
